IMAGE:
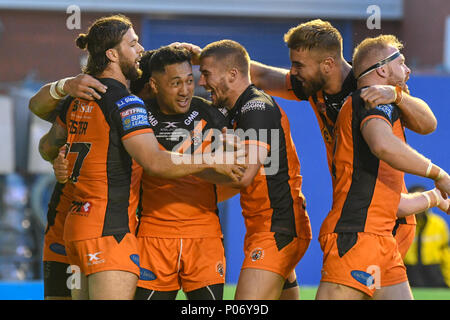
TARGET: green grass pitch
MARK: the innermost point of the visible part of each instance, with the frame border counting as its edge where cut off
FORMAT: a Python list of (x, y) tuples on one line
[(308, 293)]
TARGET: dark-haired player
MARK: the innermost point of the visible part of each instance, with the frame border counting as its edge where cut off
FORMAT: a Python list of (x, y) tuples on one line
[(273, 206), (320, 74), (179, 231), (103, 138)]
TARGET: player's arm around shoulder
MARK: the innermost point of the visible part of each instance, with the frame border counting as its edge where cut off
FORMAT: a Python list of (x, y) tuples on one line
[(44, 103), (415, 113), (272, 80)]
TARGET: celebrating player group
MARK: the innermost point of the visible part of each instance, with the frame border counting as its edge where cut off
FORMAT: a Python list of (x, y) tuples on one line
[(141, 165)]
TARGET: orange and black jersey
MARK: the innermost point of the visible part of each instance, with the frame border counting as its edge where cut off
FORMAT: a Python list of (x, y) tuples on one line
[(366, 190), (104, 179), (326, 107), (274, 200), (184, 207)]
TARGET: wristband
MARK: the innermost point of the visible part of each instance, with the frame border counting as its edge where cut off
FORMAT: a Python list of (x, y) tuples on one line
[(440, 175), (437, 197), (430, 166), (60, 86), (398, 95), (428, 199), (55, 95)]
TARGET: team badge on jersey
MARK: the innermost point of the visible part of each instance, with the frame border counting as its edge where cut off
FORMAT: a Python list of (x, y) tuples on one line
[(220, 269), (257, 254)]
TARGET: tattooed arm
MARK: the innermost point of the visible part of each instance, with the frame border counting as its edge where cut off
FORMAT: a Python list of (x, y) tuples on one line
[(51, 142)]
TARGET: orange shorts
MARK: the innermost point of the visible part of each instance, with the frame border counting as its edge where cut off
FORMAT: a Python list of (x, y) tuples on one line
[(169, 264), (274, 252), (364, 261), (105, 254), (404, 235), (54, 249)]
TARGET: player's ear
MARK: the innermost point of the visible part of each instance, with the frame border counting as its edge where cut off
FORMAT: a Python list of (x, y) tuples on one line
[(382, 72), (232, 74), (112, 54), (327, 64), (153, 86)]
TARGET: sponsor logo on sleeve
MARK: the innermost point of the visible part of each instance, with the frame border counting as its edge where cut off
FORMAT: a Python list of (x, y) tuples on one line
[(253, 105), (386, 109), (129, 100), (134, 117)]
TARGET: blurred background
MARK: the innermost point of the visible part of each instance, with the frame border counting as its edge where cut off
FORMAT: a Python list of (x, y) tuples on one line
[(37, 46)]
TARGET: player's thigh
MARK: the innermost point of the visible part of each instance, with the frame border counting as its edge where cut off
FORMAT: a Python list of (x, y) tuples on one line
[(400, 291), (335, 291), (258, 284), (80, 290), (112, 285)]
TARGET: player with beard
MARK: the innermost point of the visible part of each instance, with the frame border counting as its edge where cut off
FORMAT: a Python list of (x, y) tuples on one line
[(278, 231), (361, 258), (103, 137), (42, 104), (320, 74)]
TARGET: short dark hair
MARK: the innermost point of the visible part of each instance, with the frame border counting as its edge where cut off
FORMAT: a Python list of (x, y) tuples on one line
[(166, 56), (230, 50), (105, 33), (137, 85)]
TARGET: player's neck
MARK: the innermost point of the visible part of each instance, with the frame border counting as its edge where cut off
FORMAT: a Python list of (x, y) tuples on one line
[(236, 92), (116, 74), (336, 79)]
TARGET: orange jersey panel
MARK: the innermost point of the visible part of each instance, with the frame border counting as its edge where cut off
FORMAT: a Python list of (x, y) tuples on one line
[(366, 190), (184, 207), (104, 181), (273, 201)]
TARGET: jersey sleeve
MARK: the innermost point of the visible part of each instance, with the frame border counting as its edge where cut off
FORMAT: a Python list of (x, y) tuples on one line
[(61, 111), (386, 112), (130, 116), (258, 119)]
